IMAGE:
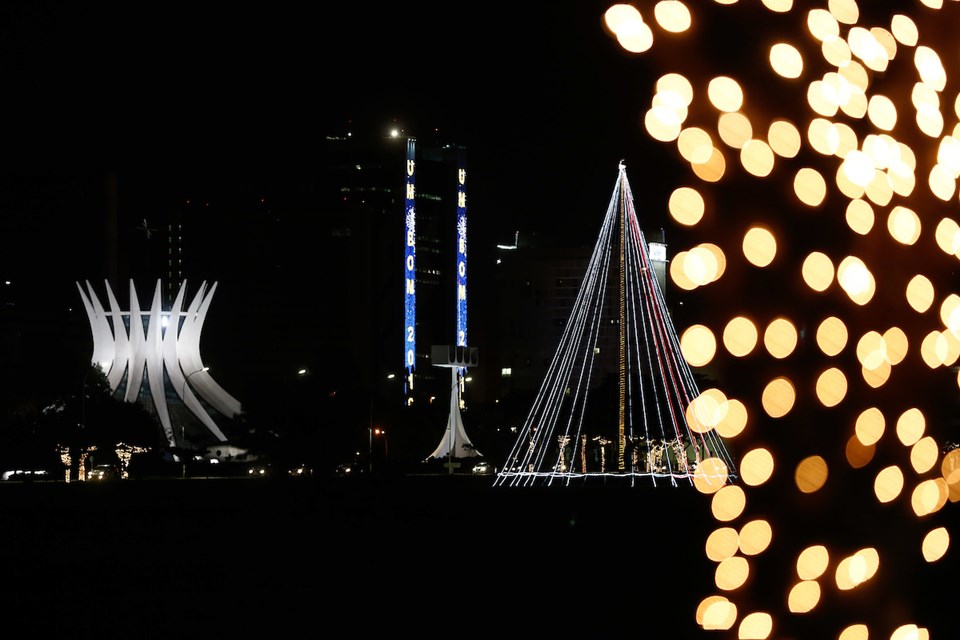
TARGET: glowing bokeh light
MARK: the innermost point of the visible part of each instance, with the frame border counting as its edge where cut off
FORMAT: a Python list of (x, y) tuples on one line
[(950, 467), (783, 138), (859, 216), (910, 426), (695, 145), (672, 16), (662, 123), (903, 225), (728, 503), (924, 454), (740, 336), (811, 474), (854, 570), (831, 387), (778, 397), (812, 562), (686, 206), (722, 543), (757, 158), (731, 573), (755, 626), (870, 426), (698, 345), (786, 60), (855, 632), (626, 23), (912, 631), (929, 497), (832, 336), (756, 467), (706, 410), (755, 537), (759, 246), (810, 187), (725, 94), (858, 454), (856, 279), (734, 129), (780, 338), (935, 544), (897, 345), (716, 613), (920, 293), (804, 596), (888, 484), (735, 420), (817, 271), (710, 475)]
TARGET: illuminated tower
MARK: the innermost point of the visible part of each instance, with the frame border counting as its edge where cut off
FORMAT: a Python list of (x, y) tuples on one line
[(410, 267), (434, 260), (461, 248)]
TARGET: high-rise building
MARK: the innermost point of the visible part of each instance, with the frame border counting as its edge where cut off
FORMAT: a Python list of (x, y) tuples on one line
[(399, 234), (541, 283)]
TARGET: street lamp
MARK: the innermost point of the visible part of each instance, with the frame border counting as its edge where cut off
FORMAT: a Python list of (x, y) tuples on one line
[(371, 430), (375, 431), (382, 432), (183, 423)]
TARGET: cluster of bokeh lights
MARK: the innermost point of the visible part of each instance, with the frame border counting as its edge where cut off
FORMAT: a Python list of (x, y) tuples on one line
[(878, 121)]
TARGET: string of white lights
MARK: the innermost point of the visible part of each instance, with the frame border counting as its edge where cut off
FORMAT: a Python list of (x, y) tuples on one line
[(560, 440)]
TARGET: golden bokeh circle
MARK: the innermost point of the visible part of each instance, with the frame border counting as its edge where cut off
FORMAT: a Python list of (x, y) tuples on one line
[(811, 474)]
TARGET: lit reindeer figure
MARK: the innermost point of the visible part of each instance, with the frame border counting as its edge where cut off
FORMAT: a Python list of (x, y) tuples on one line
[(681, 453), (583, 453), (655, 456), (635, 443), (603, 442), (563, 441)]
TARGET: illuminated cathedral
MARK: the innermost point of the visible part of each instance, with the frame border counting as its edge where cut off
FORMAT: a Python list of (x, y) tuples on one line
[(152, 355)]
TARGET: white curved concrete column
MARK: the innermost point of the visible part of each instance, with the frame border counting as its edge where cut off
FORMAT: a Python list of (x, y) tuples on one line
[(104, 347), (138, 356), (122, 343)]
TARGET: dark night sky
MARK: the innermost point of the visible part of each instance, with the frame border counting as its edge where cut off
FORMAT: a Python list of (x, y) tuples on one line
[(542, 97), (538, 94)]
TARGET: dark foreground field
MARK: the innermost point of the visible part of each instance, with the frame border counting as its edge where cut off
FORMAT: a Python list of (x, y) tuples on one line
[(431, 556), (417, 557)]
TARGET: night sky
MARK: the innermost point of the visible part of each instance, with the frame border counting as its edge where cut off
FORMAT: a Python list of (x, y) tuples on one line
[(180, 96), (541, 96)]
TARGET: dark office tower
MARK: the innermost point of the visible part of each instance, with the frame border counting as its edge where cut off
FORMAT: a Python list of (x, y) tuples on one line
[(174, 274), (394, 204), (541, 284), (110, 228)]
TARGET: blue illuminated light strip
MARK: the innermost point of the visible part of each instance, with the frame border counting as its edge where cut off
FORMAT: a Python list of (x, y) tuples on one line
[(410, 270), (461, 249)]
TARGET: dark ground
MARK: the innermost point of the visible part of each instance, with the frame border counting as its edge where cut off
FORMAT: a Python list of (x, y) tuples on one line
[(405, 556), (430, 556)]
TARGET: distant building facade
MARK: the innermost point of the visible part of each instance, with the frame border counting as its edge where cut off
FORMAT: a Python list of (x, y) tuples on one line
[(540, 283)]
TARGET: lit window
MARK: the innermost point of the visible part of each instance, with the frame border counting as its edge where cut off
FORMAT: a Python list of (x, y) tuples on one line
[(506, 372)]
